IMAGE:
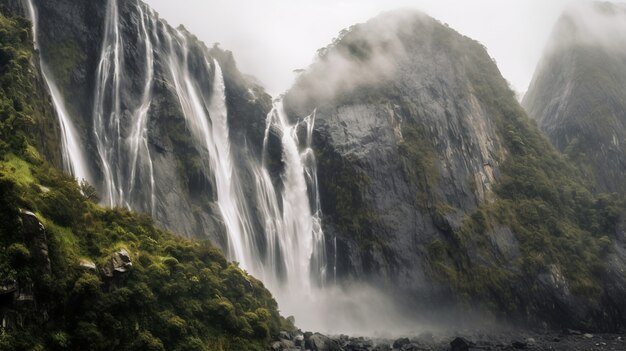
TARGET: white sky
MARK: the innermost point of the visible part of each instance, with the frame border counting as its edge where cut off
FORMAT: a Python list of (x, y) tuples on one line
[(271, 38)]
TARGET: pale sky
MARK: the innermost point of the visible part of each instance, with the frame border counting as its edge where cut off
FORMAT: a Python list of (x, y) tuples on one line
[(271, 38)]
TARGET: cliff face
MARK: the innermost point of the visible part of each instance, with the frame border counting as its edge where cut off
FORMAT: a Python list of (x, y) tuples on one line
[(433, 180), (124, 76), (404, 125), (577, 95)]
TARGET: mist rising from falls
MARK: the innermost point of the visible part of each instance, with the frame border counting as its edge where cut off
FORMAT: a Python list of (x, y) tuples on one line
[(71, 148)]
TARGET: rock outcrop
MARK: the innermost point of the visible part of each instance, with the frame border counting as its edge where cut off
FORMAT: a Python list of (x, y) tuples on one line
[(118, 264)]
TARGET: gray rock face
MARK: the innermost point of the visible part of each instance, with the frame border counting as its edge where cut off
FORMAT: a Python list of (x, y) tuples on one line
[(419, 147), (414, 151), (577, 95)]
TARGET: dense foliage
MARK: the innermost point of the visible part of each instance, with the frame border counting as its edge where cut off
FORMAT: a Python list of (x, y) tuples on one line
[(177, 295)]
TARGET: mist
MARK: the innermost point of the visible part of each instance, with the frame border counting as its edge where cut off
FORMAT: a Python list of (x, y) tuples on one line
[(592, 24), (270, 39)]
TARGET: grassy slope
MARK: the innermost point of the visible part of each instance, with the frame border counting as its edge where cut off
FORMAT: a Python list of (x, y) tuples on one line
[(179, 294)]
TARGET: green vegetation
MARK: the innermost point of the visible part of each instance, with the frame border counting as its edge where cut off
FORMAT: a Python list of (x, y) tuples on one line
[(178, 294), (420, 161), (16, 121)]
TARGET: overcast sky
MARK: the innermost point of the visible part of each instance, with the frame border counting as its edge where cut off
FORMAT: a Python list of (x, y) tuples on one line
[(271, 38)]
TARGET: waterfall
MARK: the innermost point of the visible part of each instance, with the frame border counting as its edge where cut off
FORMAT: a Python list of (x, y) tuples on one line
[(293, 253), (273, 226), (122, 143), (207, 120), (71, 148), (296, 238), (140, 158)]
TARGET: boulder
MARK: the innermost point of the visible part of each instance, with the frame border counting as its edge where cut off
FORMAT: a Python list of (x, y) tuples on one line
[(461, 344), (520, 345), (87, 264), (118, 264), (319, 342), (399, 343)]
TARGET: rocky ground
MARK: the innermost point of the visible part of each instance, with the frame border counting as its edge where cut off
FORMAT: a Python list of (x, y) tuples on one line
[(570, 340)]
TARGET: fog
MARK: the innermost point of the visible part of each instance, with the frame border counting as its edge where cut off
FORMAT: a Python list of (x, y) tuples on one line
[(271, 38), (592, 24)]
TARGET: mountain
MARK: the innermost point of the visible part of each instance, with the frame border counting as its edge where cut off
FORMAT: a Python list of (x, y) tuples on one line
[(577, 95), (399, 161), (77, 276), (434, 181)]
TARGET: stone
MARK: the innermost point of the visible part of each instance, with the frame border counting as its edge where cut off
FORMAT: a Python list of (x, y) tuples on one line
[(319, 342), (287, 344), (87, 264), (299, 340), (460, 344), (588, 336), (399, 343), (572, 332), (119, 263), (519, 345)]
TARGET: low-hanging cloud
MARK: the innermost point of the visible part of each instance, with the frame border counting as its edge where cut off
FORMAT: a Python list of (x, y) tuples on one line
[(600, 24), (272, 38)]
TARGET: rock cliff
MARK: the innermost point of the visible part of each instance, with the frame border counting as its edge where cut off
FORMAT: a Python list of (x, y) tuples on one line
[(434, 181)]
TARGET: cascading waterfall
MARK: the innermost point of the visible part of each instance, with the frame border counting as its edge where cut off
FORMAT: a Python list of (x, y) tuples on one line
[(288, 251), (295, 236), (107, 118), (206, 117), (140, 159), (71, 148), (293, 254), (126, 164)]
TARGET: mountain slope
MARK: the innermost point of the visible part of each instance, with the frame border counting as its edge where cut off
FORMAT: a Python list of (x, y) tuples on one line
[(76, 276), (577, 95), (433, 180), (133, 86)]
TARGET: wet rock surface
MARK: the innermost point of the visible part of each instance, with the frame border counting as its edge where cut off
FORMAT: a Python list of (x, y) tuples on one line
[(567, 340)]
